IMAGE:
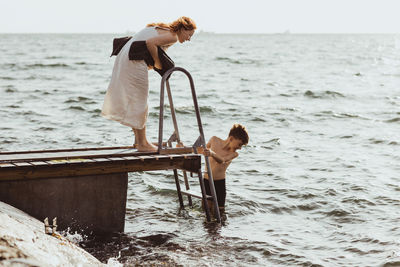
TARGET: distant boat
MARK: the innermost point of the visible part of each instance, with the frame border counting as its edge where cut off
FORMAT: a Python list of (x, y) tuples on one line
[(204, 32), (285, 32)]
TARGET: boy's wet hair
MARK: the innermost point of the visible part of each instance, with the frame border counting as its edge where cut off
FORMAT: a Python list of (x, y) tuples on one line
[(238, 131)]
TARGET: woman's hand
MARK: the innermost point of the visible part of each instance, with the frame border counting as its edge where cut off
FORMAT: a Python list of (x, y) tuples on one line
[(157, 65)]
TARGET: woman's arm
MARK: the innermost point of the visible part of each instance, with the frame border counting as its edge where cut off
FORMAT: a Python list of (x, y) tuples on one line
[(160, 40)]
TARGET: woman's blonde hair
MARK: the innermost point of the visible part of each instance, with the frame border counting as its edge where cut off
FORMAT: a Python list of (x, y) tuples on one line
[(175, 26)]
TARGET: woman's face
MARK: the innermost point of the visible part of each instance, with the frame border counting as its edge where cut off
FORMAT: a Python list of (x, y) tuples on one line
[(185, 35)]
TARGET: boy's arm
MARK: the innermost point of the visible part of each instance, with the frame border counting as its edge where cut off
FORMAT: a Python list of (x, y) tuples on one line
[(218, 158), (209, 153), (222, 160)]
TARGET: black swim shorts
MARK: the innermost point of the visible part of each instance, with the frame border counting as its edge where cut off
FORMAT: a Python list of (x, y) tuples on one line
[(220, 189)]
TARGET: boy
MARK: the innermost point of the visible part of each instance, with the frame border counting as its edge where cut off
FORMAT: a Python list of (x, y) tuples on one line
[(221, 153)]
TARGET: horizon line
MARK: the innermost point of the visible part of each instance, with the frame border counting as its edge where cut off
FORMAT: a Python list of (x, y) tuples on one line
[(208, 32)]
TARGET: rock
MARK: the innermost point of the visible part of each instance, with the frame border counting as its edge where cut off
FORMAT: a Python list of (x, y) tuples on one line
[(24, 243)]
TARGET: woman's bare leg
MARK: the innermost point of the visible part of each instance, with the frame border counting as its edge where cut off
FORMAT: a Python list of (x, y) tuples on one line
[(142, 144), (135, 145)]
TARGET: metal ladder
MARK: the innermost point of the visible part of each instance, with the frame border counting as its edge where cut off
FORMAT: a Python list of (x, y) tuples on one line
[(200, 142)]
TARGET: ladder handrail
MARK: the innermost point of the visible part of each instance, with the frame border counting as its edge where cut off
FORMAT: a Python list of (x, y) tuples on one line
[(164, 80)]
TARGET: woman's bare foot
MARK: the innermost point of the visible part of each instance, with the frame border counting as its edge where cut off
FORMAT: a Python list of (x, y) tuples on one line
[(147, 148)]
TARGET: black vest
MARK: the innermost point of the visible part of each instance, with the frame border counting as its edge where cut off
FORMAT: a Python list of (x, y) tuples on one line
[(139, 51)]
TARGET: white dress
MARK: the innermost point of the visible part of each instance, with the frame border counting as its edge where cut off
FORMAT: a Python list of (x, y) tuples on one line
[(126, 97)]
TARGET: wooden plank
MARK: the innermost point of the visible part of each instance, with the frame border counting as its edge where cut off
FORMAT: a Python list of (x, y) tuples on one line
[(77, 160), (39, 163), (47, 155), (116, 159), (100, 159), (68, 169), (55, 162), (68, 161), (64, 150), (22, 164), (7, 165), (63, 161), (89, 160), (131, 158)]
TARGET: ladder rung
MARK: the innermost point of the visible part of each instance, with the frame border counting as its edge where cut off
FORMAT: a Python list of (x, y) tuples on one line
[(195, 194)]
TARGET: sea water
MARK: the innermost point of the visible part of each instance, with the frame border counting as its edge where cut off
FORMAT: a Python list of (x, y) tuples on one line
[(317, 185)]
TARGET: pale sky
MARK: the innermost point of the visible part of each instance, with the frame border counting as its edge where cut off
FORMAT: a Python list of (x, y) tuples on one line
[(220, 16)]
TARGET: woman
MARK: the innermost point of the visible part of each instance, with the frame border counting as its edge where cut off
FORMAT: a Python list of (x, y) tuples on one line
[(126, 97)]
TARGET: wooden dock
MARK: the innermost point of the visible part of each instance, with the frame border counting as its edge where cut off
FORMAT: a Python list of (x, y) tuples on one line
[(90, 161), (84, 188)]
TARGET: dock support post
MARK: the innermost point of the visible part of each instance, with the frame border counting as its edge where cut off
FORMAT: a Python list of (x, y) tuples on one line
[(203, 193), (95, 203), (178, 189)]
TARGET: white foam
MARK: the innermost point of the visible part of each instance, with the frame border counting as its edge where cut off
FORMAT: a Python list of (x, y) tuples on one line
[(24, 234)]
